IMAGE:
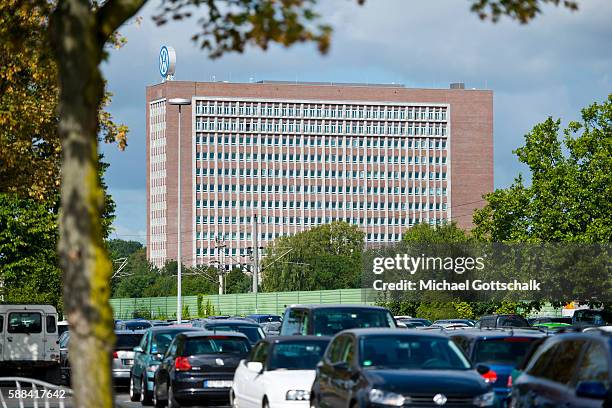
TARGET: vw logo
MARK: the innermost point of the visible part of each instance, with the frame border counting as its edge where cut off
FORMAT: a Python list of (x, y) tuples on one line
[(219, 362), (167, 61), (440, 399)]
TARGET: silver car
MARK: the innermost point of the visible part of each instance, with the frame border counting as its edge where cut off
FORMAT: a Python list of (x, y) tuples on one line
[(123, 354)]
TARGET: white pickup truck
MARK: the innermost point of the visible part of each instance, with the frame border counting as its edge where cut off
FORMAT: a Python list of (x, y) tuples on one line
[(28, 340)]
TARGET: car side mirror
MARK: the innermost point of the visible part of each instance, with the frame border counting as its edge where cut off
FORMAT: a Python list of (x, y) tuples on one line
[(482, 369), (138, 349), (592, 389), (255, 367)]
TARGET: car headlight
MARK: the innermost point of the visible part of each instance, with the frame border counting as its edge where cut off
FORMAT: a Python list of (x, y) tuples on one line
[(387, 398), (485, 400), (297, 395)]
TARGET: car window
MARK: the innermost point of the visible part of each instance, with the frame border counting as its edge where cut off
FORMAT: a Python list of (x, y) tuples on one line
[(558, 362), (215, 345), (506, 350), (594, 365), (411, 352), (512, 321), (24, 322), (127, 341), (328, 322), (173, 347), (254, 333), (296, 355), (334, 352), (463, 343), (293, 323), (161, 341), (260, 354), (50, 323), (144, 341)]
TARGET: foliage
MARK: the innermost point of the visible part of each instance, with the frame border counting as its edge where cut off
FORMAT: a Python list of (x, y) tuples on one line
[(236, 281), (28, 260), (522, 10), (569, 196), (323, 257), (439, 234), (119, 248)]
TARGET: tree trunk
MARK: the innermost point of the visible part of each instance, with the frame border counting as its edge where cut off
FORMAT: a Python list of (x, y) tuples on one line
[(83, 258)]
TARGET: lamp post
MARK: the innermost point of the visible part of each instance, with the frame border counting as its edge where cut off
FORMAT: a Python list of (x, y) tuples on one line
[(179, 102)]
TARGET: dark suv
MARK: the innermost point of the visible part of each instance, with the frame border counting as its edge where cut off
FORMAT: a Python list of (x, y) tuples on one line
[(501, 320), (568, 370), (327, 320)]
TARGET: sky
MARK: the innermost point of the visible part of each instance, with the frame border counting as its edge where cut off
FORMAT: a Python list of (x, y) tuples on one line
[(554, 66)]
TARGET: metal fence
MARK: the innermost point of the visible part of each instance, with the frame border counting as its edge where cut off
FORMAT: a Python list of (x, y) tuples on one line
[(234, 304), (28, 392)]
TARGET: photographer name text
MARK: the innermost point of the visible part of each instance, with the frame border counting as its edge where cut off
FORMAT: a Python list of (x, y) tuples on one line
[(444, 285)]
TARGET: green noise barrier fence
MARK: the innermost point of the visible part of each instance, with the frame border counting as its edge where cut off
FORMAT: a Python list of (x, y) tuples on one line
[(233, 304)]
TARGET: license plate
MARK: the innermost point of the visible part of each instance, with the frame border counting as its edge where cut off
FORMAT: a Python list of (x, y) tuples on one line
[(128, 362), (217, 384)]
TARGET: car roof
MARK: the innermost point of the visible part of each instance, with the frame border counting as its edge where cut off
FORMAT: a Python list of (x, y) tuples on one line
[(498, 333), (392, 332), (172, 329), (130, 332), (335, 306), (225, 322), (288, 339), (206, 333)]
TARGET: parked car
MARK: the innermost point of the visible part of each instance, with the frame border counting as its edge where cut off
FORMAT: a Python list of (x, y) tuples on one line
[(136, 324), (568, 370), (279, 372), (198, 368), (156, 323), (590, 317), (383, 367), (327, 320), (449, 322), (147, 357), (501, 320), (62, 327), (549, 319), (252, 330), (271, 328), (264, 318), (123, 354), (500, 350), (415, 322), (28, 340)]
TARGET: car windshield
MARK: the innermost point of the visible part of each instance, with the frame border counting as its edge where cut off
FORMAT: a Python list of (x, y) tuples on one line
[(328, 322), (302, 355), (64, 341), (508, 350), (411, 352), (216, 345), (161, 341), (127, 341), (254, 333)]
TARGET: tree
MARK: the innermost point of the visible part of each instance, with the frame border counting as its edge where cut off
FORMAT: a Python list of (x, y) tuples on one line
[(439, 234), (237, 281), (521, 10), (571, 185), (79, 31), (323, 257), (119, 248)]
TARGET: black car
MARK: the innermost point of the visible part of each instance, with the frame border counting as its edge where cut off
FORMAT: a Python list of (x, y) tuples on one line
[(590, 318), (136, 324), (501, 320), (252, 330), (500, 350), (327, 320), (415, 322), (572, 370), (385, 367), (548, 319), (264, 318), (198, 368)]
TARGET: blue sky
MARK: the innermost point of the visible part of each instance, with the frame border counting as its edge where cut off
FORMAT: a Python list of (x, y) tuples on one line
[(554, 66)]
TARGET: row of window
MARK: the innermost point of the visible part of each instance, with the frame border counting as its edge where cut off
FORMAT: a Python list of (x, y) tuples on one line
[(333, 174), (298, 110), (354, 128), (315, 205), (318, 158), (322, 141), (269, 188)]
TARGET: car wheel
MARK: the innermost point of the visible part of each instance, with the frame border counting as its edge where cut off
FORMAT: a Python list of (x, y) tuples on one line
[(145, 395), (158, 403), (134, 396), (172, 402)]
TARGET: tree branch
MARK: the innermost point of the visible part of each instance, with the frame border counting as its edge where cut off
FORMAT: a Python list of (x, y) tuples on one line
[(112, 15)]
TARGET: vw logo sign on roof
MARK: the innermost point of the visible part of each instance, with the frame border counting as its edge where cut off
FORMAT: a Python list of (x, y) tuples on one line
[(167, 62)]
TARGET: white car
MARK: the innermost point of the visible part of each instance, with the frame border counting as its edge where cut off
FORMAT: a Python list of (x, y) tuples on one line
[(278, 373)]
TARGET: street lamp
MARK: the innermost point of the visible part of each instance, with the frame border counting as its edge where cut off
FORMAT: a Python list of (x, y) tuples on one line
[(179, 102)]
